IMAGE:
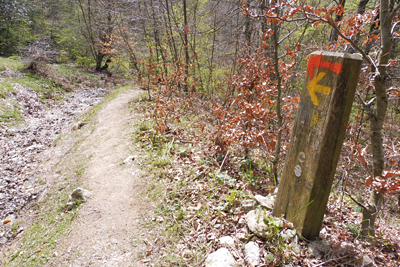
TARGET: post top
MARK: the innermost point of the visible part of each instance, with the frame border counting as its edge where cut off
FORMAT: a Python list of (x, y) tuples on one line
[(336, 54)]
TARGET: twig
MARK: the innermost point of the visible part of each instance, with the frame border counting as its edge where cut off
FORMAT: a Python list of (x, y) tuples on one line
[(172, 143), (358, 203), (331, 260), (392, 156), (344, 189), (222, 164), (290, 33)]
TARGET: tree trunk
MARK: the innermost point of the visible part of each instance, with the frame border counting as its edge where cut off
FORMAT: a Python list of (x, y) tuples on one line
[(99, 59), (334, 34), (186, 45), (377, 118), (278, 78)]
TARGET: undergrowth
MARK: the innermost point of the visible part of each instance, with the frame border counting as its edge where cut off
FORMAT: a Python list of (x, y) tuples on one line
[(200, 192)]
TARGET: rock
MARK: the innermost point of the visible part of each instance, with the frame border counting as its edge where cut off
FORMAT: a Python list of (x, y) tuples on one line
[(78, 125), (249, 204), (129, 159), (220, 258), (187, 253), (252, 253), (3, 240), (255, 222), (313, 251), (266, 202), (367, 262), (345, 247), (79, 195), (316, 248), (227, 241)]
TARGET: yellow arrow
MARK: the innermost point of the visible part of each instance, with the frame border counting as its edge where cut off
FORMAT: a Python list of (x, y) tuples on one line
[(313, 87)]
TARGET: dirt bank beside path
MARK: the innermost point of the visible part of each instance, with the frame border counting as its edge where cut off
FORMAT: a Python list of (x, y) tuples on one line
[(107, 224)]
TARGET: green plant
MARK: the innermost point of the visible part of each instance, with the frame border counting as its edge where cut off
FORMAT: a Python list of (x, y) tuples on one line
[(5, 88), (13, 63), (14, 227), (9, 112), (225, 178), (84, 62), (162, 161), (248, 177), (354, 229)]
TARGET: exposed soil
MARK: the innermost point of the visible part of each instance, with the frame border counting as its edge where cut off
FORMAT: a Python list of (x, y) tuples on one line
[(23, 146), (105, 231), (107, 224)]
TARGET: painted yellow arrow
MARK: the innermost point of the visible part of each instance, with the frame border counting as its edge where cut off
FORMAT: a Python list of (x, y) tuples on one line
[(313, 87)]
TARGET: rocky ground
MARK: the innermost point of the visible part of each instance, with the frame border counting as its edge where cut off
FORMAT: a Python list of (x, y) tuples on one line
[(43, 122)]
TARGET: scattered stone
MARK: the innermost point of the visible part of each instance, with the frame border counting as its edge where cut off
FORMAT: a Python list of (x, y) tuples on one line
[(78, 125), (158, 219), (252, 253), (367, 262), (319, 247), (323, 233), (249, 204), (255, 222), (187, 253), (266, 202), (78, 196), (227, 241), (129, 159), (313, 251), (220, 258), (21, 144), (3, 240), (345, 247)]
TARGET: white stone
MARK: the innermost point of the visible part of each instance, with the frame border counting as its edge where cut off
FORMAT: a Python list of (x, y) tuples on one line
[(220, 258), (252, 253), (129, 159), (227, 241), (78, 195), (249, 204), (255, 222), (367, 262), (266, 202)]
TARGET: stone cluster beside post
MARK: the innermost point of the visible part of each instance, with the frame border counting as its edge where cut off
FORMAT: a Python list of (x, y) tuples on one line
[(316, 140)]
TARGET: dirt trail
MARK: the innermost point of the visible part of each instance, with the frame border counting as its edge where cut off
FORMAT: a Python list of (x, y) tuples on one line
[(107, 224)]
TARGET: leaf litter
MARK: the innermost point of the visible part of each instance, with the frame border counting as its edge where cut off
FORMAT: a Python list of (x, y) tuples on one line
[(201, 202)]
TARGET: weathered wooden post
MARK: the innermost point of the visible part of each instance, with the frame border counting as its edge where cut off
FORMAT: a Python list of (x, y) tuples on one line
[(317, 139)]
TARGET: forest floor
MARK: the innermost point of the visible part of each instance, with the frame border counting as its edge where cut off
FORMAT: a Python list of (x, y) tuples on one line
[(155, 199)]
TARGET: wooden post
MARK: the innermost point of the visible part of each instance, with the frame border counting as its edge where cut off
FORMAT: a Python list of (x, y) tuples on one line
[(317, 139)]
